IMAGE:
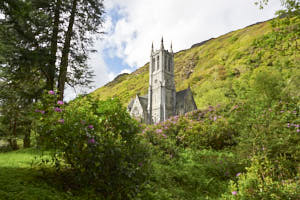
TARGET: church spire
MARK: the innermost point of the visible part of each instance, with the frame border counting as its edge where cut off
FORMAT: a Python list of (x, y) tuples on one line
[(171, 49), (152, 49), (162, 43)]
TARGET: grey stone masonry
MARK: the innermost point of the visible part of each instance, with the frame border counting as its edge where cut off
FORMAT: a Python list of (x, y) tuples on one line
[(162, 97)]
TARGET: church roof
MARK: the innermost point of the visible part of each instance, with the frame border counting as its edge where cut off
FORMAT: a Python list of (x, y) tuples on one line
[(144, 101), (181, 94)]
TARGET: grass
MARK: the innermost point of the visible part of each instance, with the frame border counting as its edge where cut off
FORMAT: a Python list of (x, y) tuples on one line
[(22, 179)]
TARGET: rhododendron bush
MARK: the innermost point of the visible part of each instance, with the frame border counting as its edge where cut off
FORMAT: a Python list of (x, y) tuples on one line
[(95, 139)]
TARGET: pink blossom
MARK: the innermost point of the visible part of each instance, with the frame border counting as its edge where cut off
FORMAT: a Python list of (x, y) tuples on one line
[(60, 102), (90, 126), (92, 141), (288, 125), (51, 92), (61, 121), (238, 174), (234, 192), (37, 110), (57, 109), (158, 131), (42, 111), (164, 135), (215, 118), (298, 130)]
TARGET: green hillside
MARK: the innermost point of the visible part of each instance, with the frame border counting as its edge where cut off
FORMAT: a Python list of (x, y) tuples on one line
[(211, 68)]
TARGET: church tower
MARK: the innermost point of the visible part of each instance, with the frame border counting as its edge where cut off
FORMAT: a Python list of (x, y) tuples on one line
[(162, 93)]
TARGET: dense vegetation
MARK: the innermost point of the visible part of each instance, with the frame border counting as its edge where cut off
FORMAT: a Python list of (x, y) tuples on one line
[(242, 143)]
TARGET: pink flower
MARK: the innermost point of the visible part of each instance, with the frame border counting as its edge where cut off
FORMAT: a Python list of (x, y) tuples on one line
[(164, 135), (288, 125), (42, 111), (60, 102), (92, 141), (57, 109), (298, 130), (140, 164), (37, 110), (90, 126), (215, 118), (234, 192), (238, 174), (158, 131), (51, 92), (61, 121)]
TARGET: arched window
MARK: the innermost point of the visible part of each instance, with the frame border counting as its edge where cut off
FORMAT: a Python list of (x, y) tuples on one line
[(153, 64), (167, 63), (157, 62)]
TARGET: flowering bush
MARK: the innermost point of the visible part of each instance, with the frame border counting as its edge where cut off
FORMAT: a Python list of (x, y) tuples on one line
[(97, 140), (265, 179)]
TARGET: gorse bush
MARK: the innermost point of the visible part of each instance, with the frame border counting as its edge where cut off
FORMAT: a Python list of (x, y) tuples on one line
[(97, 140)]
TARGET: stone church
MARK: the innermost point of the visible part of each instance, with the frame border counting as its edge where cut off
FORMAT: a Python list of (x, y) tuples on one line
[(162, 100)]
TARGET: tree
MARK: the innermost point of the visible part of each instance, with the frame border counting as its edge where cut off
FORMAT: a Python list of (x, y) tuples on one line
[(61, 32), (291, 7), (43, 44)]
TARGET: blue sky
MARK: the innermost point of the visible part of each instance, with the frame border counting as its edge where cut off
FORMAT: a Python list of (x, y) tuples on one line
[(132, 25)]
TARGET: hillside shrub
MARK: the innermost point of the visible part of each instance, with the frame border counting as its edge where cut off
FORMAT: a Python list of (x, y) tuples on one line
[(265, 179), (97, 140)]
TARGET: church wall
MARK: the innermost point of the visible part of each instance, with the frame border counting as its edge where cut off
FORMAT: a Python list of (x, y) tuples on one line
[(137, 111)]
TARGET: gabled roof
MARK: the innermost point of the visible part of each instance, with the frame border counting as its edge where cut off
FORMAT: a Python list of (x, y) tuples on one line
[(144, 102), (181, 94)]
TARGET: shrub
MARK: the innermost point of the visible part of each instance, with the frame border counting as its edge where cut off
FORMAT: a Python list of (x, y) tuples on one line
[(97, 140), (265, 179)]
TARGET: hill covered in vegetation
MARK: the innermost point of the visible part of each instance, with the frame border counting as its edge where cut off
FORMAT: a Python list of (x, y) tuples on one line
[(213, 67)]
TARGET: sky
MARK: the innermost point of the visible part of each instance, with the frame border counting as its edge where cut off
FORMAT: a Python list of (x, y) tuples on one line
[(132, 25)]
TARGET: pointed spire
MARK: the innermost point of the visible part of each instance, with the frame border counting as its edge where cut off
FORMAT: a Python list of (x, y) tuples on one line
[(171, 50), (152, 49), (162, 43)]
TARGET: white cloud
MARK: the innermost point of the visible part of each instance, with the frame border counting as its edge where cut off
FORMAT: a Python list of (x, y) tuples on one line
[(128, 71), (183, 22)]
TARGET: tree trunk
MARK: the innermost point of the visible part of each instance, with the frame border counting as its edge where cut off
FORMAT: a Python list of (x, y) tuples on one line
[(54, 38), (26, 139), (13, 141), (65, 53)]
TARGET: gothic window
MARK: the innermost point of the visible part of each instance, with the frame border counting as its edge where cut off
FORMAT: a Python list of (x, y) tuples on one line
[(153, 64), (167, 64), (157, 62)]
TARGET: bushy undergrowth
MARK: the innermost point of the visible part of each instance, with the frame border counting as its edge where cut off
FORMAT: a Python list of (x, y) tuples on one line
[(95, 141)]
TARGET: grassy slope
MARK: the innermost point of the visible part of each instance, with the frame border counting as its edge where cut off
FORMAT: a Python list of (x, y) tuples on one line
[(206, 62)]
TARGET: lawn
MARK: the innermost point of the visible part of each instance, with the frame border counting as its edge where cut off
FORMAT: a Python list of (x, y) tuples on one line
[(22, 179)]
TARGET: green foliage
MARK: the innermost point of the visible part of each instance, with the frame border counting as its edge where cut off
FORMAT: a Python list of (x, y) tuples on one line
[(190, 175), (265, 179), (98, 141)]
